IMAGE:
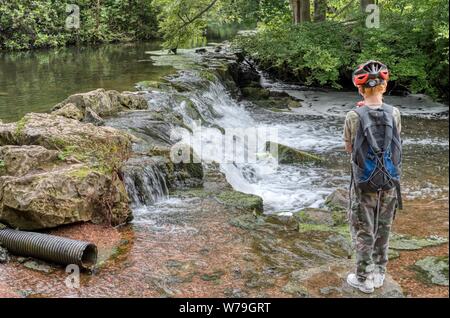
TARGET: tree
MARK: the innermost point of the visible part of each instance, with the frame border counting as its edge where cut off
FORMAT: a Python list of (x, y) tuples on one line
[(301, 11), (320, 10), (365, 3), (305, 11)]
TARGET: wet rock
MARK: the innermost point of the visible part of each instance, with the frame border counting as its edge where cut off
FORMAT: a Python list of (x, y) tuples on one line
[(247, 221), (411, 243), (39, 266), (4, 255), (329, 280), (69, 110), (92, 117), (148, 85), (314, 216), (201, 50), (338, 200), (392, 254), (235, 293), (255, 93), (20, 160), (216, 275), (433, 269), (289, 155), (247, 202), (243, 73)]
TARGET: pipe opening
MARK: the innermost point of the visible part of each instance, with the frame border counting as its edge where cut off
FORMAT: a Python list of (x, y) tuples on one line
[(89, 257)]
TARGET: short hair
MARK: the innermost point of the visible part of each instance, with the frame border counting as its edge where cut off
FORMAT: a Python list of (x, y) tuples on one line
[(379, 89)]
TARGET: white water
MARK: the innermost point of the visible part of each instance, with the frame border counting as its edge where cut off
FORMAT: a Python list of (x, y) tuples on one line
[(284, 188)]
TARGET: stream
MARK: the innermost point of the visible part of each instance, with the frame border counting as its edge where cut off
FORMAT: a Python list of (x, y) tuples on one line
[(179, 246)]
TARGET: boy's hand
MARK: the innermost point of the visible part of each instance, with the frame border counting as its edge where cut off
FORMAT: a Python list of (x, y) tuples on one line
[(348, 147)]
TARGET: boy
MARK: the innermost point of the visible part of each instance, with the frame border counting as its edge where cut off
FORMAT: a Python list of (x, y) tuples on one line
[(372, 136)]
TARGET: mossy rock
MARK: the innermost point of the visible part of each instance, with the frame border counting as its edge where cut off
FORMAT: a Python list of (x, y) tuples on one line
[(314, 217), (248, 202), (433, 269), (255, 93), (411, 243), (289, 155), (146, 85), (247, 221)]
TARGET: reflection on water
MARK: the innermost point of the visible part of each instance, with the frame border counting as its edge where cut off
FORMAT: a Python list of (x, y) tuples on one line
[(35, 81)]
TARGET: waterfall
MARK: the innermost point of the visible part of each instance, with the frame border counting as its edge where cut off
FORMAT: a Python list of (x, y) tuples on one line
[(145, 181)]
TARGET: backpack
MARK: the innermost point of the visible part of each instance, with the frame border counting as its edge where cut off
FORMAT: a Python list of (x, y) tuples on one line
[(377, 151)]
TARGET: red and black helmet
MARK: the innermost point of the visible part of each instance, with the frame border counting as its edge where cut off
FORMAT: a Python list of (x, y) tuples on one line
[(370, 74)]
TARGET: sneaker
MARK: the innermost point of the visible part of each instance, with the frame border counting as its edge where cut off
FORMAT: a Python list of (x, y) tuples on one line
[(378, 279), (364, 286)]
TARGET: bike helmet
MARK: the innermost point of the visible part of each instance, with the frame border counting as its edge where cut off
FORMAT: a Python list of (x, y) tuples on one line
[(370, 74)]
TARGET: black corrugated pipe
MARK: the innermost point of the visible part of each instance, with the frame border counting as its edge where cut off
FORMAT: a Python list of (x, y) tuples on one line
[(49, 248)]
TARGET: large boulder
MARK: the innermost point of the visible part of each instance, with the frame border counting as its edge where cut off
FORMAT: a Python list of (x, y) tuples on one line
[(56, 171), (59, 133), (62, 196), (103, 103)]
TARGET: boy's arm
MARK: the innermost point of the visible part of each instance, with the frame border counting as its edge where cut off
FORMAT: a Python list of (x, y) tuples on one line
[(349, 131)]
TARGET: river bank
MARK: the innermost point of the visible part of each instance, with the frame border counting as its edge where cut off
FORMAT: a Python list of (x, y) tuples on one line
[(212, 241)]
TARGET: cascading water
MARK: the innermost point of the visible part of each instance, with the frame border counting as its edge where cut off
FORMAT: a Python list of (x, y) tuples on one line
[(145, 182), (205, 104)]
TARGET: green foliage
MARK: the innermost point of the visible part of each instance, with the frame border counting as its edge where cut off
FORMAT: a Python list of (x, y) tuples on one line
[(27, 24), (412, 40), (184, 22)]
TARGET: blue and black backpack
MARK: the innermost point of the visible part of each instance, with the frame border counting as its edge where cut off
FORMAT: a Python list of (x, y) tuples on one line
[(377, 151)]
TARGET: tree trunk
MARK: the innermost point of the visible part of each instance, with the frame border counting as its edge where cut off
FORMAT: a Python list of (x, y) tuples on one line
[(305, 11), (320, 10), (365, 3), (295, 6)]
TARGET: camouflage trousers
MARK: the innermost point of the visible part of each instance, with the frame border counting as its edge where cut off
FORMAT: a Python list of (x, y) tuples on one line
[(370, 227)]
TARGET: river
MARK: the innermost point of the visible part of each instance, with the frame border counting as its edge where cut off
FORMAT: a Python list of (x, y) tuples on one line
[(174, 241)]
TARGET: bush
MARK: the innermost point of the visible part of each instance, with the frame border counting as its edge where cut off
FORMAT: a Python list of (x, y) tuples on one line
[(413, 43)]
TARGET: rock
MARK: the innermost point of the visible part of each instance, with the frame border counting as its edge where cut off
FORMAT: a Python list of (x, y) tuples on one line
[(147, 85), (201, 50), (92, 117), (243, 74), (255, 93), (66, 195), (104, 103), (433, 269), (57, 133), (329, 280), (59, 171), (411, 243), (20, 160), (216, 275), (69, 110), (38, 266), (4, 255), (338, 200), (247, 202), (288, 155), (314, 216)]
